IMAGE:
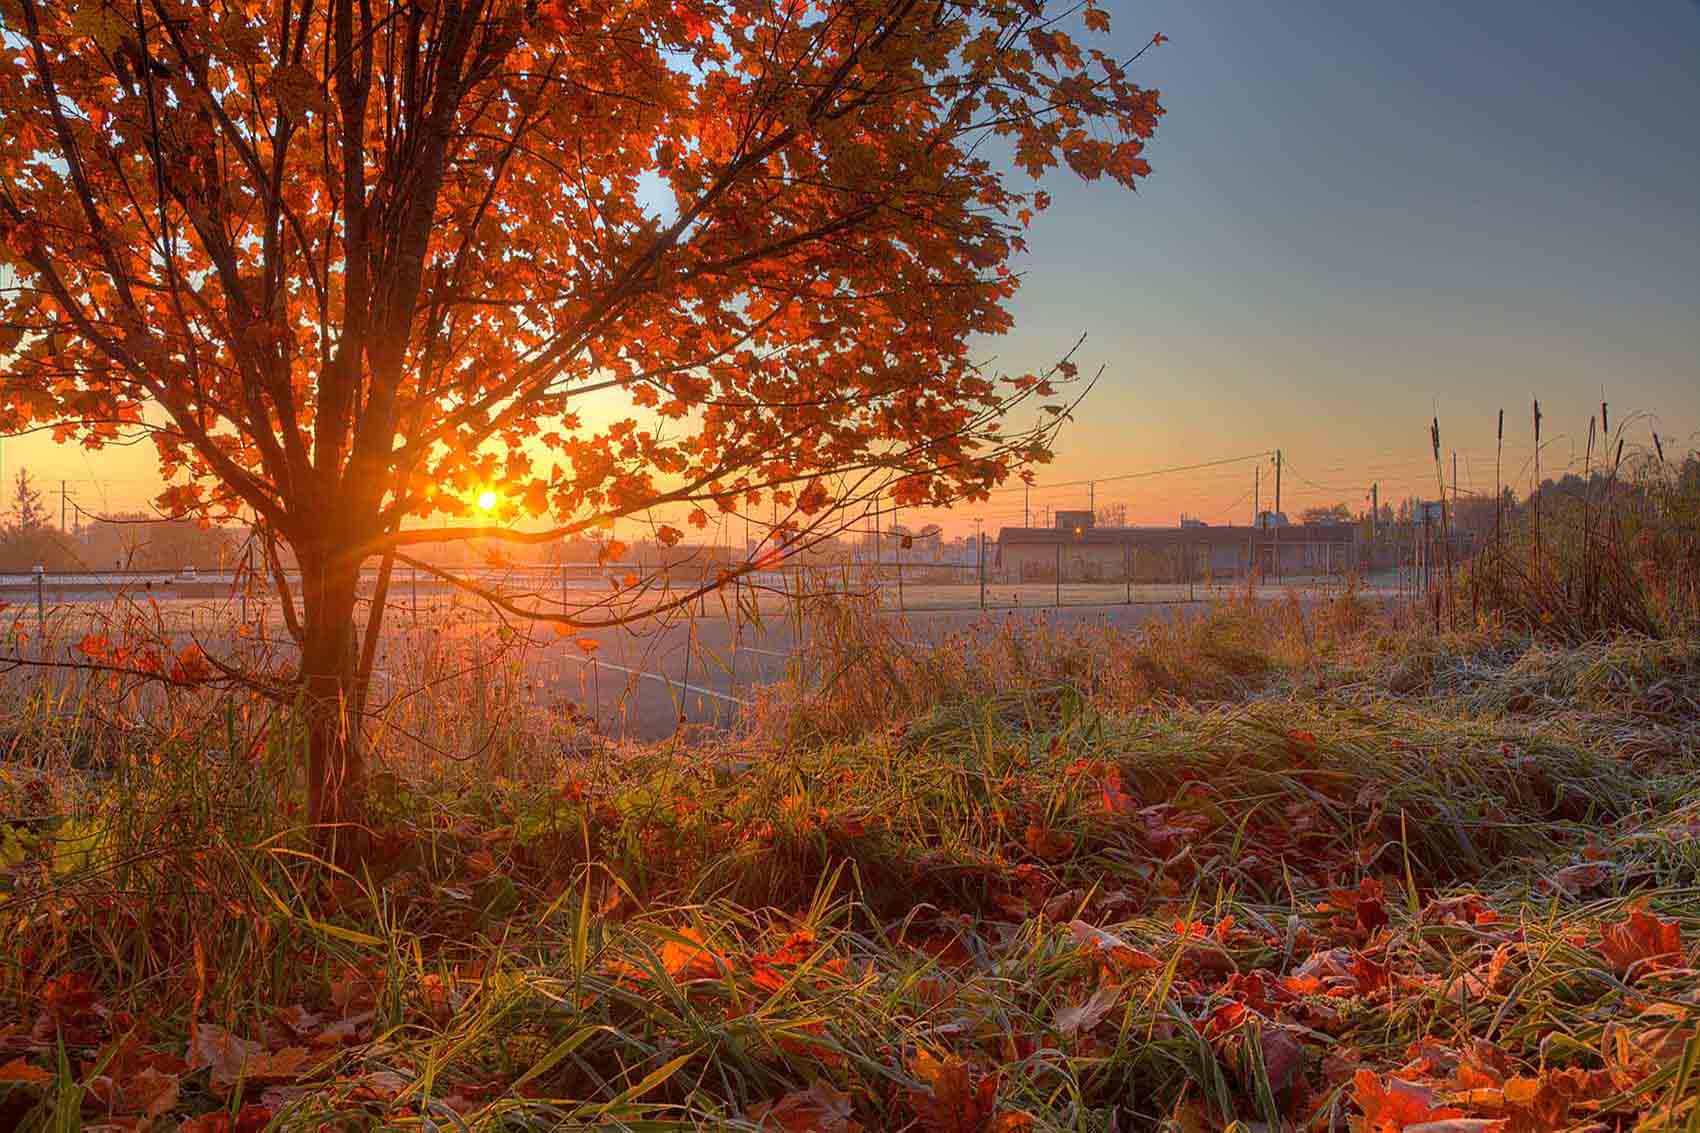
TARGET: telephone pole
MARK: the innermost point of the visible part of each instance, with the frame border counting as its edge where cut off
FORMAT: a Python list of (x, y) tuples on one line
[(1276, 540), (1026, 490), (980, 548)]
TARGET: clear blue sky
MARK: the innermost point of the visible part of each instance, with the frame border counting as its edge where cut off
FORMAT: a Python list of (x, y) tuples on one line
[(1362, 213), (1359, 214)]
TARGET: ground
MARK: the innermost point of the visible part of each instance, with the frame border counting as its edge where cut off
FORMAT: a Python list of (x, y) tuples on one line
[(1296, 866)]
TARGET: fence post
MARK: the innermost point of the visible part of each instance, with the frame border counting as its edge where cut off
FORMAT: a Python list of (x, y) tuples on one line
[(982, 543), (41, 608), (737, 630)]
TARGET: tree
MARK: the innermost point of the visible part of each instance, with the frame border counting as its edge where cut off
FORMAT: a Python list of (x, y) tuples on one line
[(136, 541), (31, 540), (1339, 513), (28, 512), (357, 265)]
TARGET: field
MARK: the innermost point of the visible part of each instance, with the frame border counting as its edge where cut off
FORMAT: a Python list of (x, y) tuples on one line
[(1293, 865), (694, 670)]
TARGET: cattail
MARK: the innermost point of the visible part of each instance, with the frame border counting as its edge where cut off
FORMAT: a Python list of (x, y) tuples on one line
[(1537, 491)]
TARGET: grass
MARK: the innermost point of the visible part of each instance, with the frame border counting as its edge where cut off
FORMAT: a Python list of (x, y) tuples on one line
[(1261, 866)]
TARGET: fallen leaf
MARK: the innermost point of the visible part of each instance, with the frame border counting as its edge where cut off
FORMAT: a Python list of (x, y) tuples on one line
[(150, 1092), (1574, 879), (688, 958), (17, 1070), (1048, 844), (1114, 951), (818, 1109), (1641, 943), (250, 1119), (1395, 1105), (954, 1102), (232, 1059), (1077, 1017)]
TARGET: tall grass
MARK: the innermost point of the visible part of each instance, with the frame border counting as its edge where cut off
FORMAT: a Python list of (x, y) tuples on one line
[(1615, 551)]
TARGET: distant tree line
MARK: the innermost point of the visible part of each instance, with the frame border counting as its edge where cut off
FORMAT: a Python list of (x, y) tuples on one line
[(119, 541)]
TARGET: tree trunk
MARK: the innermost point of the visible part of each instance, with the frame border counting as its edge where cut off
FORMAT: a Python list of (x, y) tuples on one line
[(332, 701)]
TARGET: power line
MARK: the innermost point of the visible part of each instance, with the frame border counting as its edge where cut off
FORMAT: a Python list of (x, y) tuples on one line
[(1138, 475)]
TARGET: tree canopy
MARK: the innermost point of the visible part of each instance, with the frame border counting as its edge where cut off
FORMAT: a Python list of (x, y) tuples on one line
[(355, 263)]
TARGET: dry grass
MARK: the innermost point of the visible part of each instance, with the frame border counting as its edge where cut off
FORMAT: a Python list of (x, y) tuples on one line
[(1245, 867), (1617, 553)]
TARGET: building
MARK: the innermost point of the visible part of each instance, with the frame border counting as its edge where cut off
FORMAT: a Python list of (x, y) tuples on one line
[(1078, 551)]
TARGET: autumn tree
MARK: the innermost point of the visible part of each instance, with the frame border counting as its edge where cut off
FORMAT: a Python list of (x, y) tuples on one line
[(354, 262)]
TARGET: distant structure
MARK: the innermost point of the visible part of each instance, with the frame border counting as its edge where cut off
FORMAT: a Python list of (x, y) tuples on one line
[(1075, 550), (1076, 521)]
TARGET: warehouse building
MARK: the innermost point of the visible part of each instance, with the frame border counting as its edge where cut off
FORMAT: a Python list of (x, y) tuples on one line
[(1079, 551)]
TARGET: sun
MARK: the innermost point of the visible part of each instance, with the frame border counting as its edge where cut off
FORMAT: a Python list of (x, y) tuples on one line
[(487, 500)]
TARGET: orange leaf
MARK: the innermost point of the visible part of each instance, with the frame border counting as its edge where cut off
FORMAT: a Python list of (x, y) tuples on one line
[(17, 1070), (1047, 843), (691, 959), (1115, 952), (1642, 943), (191, 667), (1116, 800), (955, 1102), (1395, 1105)]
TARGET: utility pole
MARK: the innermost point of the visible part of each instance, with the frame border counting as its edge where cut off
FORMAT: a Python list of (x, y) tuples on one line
[(1256, 507), (980, 544), (64, 496), (1092, 498), (1026, 491), (1276, 538)]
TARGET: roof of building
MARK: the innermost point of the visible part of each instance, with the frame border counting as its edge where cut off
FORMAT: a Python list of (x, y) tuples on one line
[(1336, 533)]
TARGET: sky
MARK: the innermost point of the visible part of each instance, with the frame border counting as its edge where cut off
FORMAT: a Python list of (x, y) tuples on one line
[(1360, 216)]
